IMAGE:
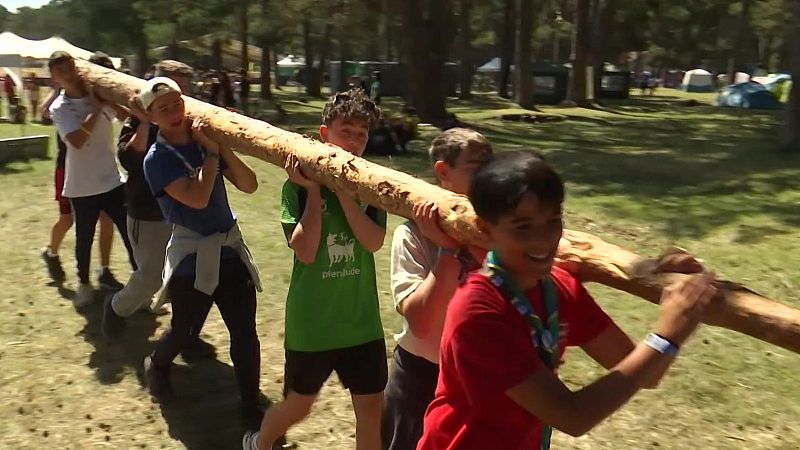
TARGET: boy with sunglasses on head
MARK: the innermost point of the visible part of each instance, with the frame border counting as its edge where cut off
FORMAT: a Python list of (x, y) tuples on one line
[(333, 319), (506, 329), (427, 267)]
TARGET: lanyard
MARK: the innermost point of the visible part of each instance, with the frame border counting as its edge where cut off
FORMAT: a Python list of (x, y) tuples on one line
[(545, 339), (193, 171)]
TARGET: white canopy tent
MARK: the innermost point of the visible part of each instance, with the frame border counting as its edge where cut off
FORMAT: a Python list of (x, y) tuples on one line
[(29, 55)]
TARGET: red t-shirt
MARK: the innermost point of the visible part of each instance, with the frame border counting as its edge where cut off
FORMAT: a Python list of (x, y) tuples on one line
[(486, 349)]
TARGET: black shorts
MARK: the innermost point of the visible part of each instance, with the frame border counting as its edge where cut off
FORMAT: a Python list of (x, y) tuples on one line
[(362, 369)]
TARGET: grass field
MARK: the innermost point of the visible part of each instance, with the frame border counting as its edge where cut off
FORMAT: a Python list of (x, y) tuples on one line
[(644, 173)]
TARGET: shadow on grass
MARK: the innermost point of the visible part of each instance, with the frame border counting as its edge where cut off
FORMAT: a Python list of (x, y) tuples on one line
[(686, 170), (205, 411), (112, 359)]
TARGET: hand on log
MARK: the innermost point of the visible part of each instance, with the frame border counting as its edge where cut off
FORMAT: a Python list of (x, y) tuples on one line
[(735, 307)]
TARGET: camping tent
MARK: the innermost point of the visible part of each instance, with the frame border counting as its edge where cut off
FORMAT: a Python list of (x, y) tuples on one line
[(28, 55), (698, 80), (492, 66)]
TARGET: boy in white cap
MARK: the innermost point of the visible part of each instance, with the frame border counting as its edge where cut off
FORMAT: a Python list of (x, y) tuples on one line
[(207, 261)]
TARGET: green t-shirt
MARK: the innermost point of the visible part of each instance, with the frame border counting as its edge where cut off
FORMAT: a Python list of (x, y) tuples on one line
[(332, 302)]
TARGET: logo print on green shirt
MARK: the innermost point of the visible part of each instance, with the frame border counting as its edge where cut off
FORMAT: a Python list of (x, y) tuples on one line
[(340, 248)]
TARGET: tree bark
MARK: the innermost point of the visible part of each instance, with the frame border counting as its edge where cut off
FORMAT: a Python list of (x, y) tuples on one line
[(274, 64), (602, 25), (244, 59), (388, 9), (792, 140), (426, 26), (735, 307), (741, 31), (324, 52), (141, 55), (216, 53), (266, 78), (523, 81), (374, 9), (465, 47), (344, 53), (507, 34), (311, 78), (583, 35)]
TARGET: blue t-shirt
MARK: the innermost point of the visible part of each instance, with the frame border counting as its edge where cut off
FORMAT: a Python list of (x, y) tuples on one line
[(164, 164)]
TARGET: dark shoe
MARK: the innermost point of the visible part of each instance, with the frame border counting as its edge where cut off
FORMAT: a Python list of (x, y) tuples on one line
[(54, 268), (107, 281), (113, 324), (157, 379), (252, 415), (198, 349)]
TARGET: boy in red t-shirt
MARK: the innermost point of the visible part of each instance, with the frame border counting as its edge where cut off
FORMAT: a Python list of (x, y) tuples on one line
[(507, 327)]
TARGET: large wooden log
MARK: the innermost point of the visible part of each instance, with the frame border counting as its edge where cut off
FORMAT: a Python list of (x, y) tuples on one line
[(736, 307)]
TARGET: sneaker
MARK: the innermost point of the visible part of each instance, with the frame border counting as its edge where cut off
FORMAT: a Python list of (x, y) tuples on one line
[(113, 324), (84, 296), (250, 440), (149, 309), (54, 268), (107, 281), (198, 349), (157, 379)]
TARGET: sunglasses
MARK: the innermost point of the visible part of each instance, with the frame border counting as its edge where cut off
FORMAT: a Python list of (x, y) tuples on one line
[(341, 97)]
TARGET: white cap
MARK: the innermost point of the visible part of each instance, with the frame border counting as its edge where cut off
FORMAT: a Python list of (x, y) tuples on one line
[(156, 87)]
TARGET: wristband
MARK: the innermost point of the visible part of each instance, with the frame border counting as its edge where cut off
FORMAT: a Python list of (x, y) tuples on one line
[(661, 345)]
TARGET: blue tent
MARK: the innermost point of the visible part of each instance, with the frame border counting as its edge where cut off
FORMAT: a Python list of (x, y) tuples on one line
[(750, 95)]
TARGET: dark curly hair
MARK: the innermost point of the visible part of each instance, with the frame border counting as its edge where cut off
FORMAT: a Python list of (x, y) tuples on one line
[(353, 104)]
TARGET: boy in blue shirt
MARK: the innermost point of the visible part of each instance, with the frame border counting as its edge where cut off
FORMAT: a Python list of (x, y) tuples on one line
[(207, 260)]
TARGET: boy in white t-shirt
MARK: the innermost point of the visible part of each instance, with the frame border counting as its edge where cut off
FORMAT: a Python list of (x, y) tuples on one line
[(427, 266), (92, 180)]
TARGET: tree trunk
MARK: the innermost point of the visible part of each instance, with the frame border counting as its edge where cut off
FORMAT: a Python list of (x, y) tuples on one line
[(735, 307), (374, 10), (792, 140), (426, 28), (324, 51), (507, 33), (344, 56), (216, 53), (172, 47), (465, 47), (741, 31), (266, 58), (266, 79), (274, 63), (523, 81), (583, 35), (141, 55), (388, 9), (243, 22), (603, 17), (311, 78)]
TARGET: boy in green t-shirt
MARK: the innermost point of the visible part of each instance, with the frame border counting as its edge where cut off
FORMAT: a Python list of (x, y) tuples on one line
[(332, 316)]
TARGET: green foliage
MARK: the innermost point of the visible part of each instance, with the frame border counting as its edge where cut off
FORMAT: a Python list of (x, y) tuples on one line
[(674, 33)]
